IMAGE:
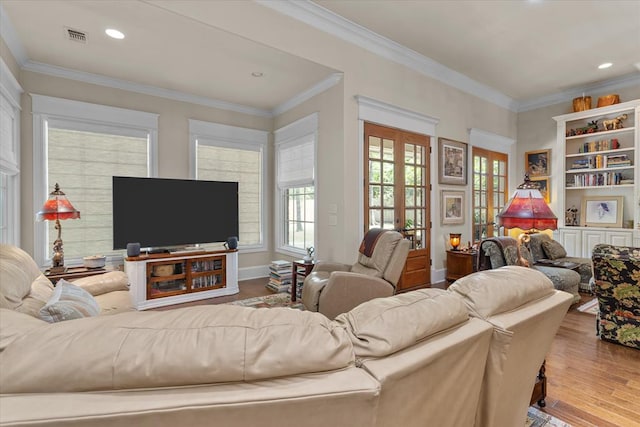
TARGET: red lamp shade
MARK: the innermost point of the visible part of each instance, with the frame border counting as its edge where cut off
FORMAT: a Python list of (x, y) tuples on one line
[(527, 209), (57, 207)]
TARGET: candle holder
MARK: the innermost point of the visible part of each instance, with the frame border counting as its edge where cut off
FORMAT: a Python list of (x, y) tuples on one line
[(454, 240)]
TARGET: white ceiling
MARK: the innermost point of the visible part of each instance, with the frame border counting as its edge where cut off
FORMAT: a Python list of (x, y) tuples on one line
[(525, 50)]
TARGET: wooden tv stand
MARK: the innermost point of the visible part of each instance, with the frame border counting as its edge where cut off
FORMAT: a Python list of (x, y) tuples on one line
[(165, 278)]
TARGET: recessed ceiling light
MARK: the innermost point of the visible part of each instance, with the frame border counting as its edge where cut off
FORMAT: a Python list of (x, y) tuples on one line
[(114, 33), (257, 74), (605, 65)]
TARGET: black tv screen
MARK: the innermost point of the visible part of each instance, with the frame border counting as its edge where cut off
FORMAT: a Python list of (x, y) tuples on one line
[(159, 212)]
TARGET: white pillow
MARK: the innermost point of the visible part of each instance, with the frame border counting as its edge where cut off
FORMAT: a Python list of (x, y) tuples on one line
[(67, 302)]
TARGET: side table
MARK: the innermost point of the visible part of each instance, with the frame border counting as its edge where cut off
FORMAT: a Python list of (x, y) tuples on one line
[(72, 273), (460, 264), (301, 268)]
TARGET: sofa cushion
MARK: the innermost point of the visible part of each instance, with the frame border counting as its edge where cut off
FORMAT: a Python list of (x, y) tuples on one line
[(69, 302), (379, 327), (535, 245), (553, 249), (19, 271), (14, 324), (104, 283), (490, 292), (186, 346)]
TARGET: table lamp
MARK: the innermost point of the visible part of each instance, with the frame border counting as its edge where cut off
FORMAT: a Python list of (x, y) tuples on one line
[(527, 210), (454, 240), (57, 207)]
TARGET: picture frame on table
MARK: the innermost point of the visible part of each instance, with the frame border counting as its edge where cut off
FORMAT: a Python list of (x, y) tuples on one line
[(538, 163), (452, 207), (543, 183), (602, 211), (452, 162)]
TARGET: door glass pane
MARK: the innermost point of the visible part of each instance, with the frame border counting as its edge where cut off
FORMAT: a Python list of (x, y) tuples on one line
[(375, 218), (388, 149), (374, 172), (409, 175), (409, 153), (389, 219), (409, 196), (374, 195), (387, 173), (374, 147), (387, 196)]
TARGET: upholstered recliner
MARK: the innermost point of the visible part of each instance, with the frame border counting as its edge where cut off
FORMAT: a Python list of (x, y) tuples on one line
[(496, 252), (334, 288), (544, 247), (616, 270)]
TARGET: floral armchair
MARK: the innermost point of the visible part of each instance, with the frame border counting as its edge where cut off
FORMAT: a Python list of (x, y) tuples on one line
[(616, 271)]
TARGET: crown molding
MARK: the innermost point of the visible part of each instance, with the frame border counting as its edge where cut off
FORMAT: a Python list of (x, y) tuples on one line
[(632, 79), (97, 79), (323, 19), (314, 90), (9, 35)]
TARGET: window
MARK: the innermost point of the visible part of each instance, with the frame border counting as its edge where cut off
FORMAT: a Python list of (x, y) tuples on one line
[(81, 147), (10, 92), (295, 182), (489, 191), (234, 154)]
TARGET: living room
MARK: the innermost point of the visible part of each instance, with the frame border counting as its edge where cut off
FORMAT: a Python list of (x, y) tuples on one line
[(353, 79)]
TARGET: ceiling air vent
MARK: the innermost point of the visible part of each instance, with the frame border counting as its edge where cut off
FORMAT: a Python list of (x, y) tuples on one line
[(75, 35)]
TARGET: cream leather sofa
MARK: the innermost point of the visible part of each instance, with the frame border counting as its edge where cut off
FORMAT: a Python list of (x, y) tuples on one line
[(23, 287), (412, 359)]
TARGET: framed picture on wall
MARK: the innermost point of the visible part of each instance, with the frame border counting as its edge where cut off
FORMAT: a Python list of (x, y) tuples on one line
[(543, 184), (452, 162), (538, 163), (452, 206), (602, 211)]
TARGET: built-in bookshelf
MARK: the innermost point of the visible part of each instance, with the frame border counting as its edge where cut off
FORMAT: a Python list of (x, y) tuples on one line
[(600, 149)]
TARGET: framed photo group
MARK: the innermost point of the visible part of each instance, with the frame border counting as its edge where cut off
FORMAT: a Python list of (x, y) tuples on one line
[(453, 170)]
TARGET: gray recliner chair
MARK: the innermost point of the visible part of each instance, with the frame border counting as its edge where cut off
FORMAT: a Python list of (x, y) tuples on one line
[(335, 288)]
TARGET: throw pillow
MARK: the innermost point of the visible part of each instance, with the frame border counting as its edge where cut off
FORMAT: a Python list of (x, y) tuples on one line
[(553, 249), (69, 302)]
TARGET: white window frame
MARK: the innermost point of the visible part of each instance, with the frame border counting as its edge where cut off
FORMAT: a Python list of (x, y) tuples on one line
[(292, 134), (10, 92), (47, 108), (219, 135)]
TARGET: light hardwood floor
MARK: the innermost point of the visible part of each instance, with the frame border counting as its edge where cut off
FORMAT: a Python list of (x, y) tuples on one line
[(591, 383)]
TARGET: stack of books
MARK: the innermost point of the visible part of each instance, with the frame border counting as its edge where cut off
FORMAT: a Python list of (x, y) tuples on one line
[(618, 161), (279, 276)]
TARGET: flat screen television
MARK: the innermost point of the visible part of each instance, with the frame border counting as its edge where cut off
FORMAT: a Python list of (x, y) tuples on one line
[(165, 213)]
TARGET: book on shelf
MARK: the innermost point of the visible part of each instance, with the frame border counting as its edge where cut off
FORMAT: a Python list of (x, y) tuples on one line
[(603, 145)]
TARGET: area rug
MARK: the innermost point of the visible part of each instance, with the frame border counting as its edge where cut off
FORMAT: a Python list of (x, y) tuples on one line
[(590, 307), (537, 418), (270, 301)]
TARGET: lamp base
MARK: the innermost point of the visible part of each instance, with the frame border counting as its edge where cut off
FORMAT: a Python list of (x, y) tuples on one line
[(57, 270), (522, 239)]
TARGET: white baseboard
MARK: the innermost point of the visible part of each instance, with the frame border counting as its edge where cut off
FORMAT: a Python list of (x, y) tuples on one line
[(253, 272), (438, 276)]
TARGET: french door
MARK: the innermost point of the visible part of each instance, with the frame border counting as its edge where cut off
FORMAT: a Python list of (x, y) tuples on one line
[(396, 182), (489, 191)]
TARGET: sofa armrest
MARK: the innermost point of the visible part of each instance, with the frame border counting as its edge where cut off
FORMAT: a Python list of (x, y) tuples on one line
[(104, 283), (345, 291)]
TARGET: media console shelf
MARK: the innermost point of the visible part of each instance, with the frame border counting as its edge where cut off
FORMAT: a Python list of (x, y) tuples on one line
[(165, 279)]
